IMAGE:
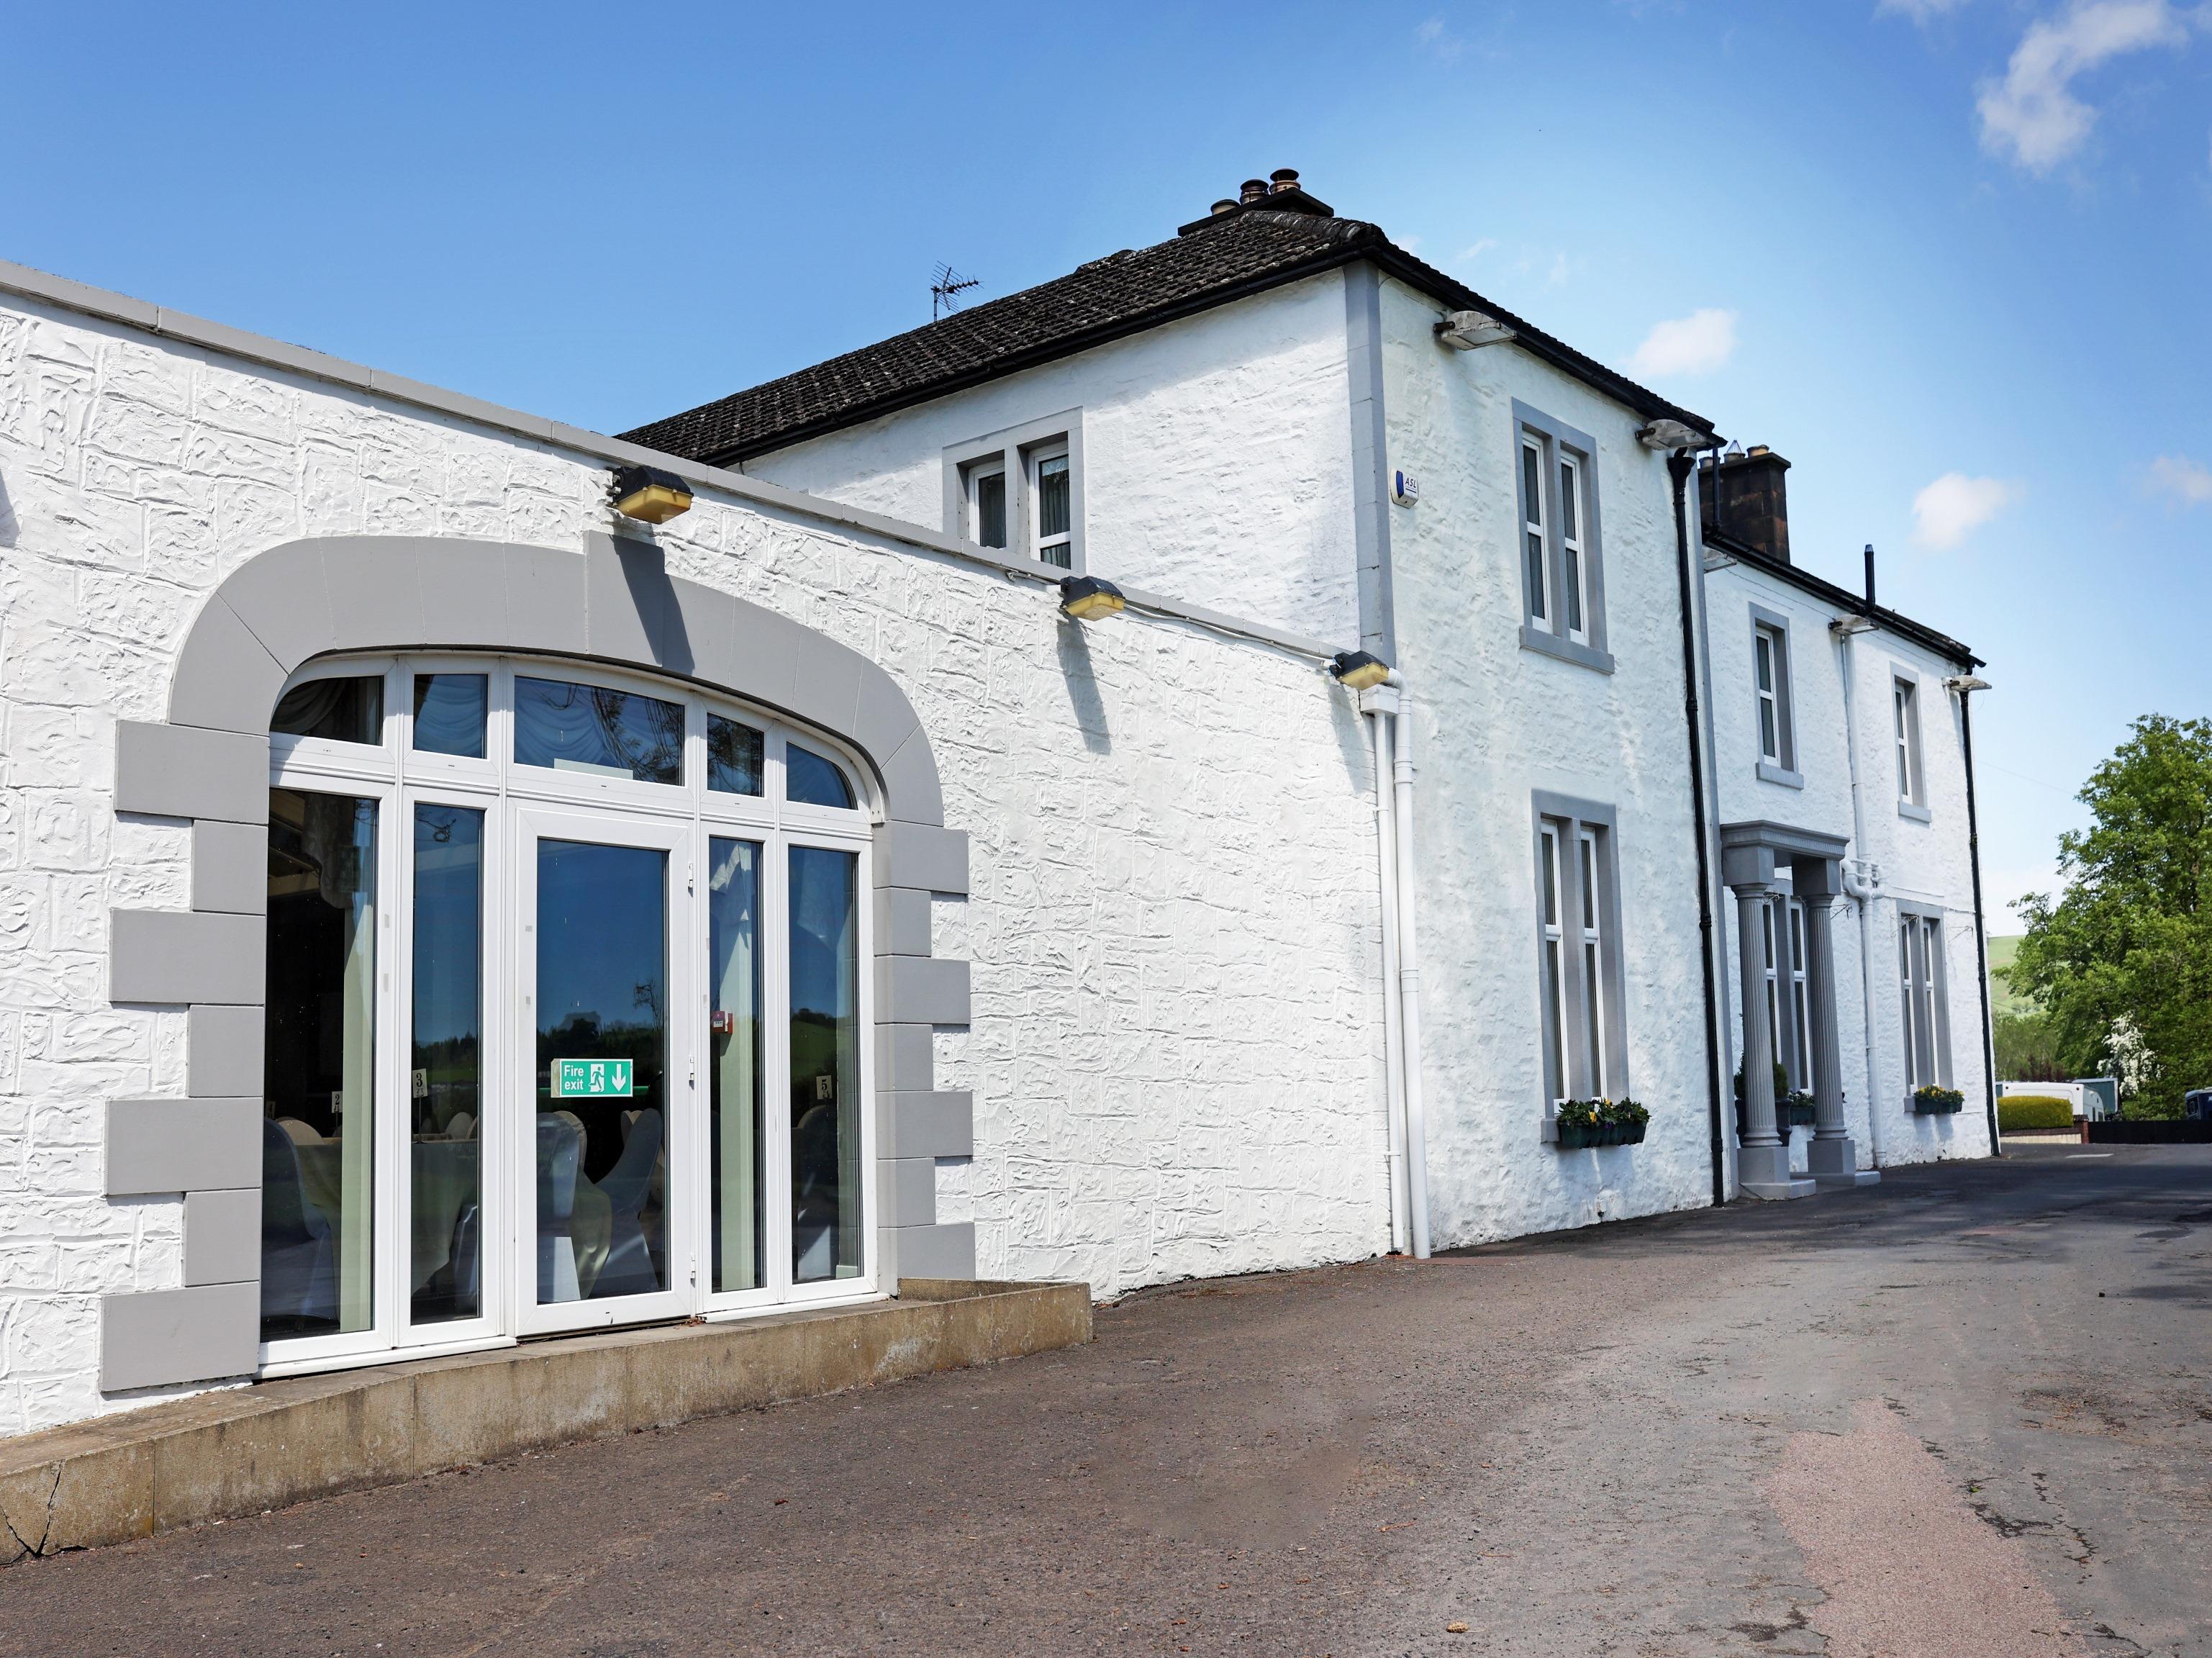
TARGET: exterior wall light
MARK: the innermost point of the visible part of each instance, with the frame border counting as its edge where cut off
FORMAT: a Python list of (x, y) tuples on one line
[(650, 494), (1358, 670), (1467, 330), (1085, 597), (1963, 683), (1673, 434)]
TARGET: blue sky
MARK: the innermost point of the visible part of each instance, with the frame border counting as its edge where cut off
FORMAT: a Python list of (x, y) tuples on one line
[(1952, 257)]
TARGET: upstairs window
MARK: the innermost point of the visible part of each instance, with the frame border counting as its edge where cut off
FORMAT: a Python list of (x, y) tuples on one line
[(1562, 574), (1053, 491), (1020, 491), (1772, 699), (1911, 776)]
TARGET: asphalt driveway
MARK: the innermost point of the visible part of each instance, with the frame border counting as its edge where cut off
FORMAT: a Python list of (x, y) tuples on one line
[(1968, 1412)]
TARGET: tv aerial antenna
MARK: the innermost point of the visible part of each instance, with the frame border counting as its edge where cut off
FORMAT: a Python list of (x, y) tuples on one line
[(945, 291)]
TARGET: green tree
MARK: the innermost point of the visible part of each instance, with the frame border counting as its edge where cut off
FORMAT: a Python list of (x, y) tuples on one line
[(2126, 948)]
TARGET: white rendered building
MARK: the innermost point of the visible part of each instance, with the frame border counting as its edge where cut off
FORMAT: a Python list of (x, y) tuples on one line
[(438, 907)]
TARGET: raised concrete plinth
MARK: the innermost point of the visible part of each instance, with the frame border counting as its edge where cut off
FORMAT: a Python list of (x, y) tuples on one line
[(216, 1456), (1834, 1165), (1763, 1171)]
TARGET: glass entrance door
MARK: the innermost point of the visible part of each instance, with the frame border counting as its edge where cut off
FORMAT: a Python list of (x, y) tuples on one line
[(608, 1081)]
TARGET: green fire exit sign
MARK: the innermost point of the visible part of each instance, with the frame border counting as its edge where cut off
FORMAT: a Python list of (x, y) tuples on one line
[(591, 1079)]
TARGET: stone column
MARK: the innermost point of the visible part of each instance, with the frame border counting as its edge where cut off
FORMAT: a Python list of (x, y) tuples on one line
[(1833, 1160), (1763, 1163)]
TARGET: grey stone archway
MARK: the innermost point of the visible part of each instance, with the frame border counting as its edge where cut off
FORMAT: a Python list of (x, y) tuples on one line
[(209, 762)]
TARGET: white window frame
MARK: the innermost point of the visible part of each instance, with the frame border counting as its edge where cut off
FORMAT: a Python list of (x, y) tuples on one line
[(1775, 699), (971, 484), (1911, 764), (1582, 1030), (1801, 1001), (1567, 460), (683, 817), (1043, 546), (1017, 452), (1923, 997)]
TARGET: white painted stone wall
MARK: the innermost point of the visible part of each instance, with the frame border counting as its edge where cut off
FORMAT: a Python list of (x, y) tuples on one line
[(1175, 1053), (1927, 863), (1496, 723), (1217, 457)]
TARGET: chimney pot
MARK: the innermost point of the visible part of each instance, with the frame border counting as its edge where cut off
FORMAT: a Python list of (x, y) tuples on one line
[(1254, 190), (1286, 178), (1226, 205)]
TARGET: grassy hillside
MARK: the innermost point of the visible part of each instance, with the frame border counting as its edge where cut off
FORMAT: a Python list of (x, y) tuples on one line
[(2002, 999)]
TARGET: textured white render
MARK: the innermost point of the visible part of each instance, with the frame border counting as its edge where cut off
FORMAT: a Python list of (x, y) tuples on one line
[(1175, 1052), (1217, 457), (1496, 722), (1926, 863)]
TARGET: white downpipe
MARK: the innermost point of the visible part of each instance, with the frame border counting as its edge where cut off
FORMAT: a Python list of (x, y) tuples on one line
[(1381, 706), (1859, 887), (1409, 982)]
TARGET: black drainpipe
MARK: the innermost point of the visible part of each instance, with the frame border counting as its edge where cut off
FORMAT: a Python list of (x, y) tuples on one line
[(1981, 928), (1678, 467)]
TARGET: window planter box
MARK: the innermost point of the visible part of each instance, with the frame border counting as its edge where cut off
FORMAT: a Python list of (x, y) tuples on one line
[(1575, 1137), (1937, 1101), (1795, 1114)]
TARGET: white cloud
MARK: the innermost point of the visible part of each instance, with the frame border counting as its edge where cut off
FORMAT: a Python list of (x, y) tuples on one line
[(1438, 39), (1695, 344), (2032, 115), (2186, 480), (1920, 11), (1950, 509), (1475, 251), (1562, 268)]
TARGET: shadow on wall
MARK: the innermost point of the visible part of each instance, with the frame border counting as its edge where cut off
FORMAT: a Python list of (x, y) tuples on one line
[(1083, 698), (8, 528)]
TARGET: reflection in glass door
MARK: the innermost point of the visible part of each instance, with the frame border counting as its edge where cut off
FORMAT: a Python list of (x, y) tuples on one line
[(602, 1073), (444, 1067), (733, 1046), (825, 1066)]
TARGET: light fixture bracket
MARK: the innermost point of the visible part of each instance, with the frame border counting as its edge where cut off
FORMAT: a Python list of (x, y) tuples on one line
[(649, 495), (1468, 331), (1088, 597), (1359, 671)]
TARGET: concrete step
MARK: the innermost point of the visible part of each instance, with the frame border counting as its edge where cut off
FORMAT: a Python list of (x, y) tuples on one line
[(237, 1451)]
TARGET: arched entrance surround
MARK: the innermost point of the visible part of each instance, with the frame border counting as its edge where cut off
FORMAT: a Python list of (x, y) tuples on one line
[(209, 763)]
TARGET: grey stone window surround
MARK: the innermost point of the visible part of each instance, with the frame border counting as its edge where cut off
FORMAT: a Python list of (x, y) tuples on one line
[(209, 763), (1913, 805), (1572, 815), (1785, 698), (1940, 977), (1015, 445), (1556, 436)]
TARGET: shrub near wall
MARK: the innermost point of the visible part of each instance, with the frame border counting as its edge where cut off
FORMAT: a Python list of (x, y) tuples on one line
[(2019, 1113)]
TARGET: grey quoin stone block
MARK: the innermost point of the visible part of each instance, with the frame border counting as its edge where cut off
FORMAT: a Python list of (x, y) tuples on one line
[(921, 990), (183, 771), (225, 679), (910, 1188), (183, 955), (921, 855), (223, 1048), (222, 1236), (946, 1251), (182, 1146), (204, 1333), (903, 926), (230, 866), (906, 1058), (929, 1124)]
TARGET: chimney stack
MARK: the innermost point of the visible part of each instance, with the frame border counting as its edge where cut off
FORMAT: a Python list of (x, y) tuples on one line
[(1745, 498)]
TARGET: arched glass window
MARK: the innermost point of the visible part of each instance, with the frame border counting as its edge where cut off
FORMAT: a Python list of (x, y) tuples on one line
[(566, 1006)]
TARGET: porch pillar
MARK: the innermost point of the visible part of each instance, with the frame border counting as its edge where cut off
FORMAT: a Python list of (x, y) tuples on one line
[(1832, 1159), (1764, 1162)]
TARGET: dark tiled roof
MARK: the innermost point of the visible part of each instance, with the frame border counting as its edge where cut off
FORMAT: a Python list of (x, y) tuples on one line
[(1842, 598), (1211, 263)]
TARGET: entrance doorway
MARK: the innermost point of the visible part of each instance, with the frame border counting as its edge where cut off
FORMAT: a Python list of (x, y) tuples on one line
[(565, 1009)]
